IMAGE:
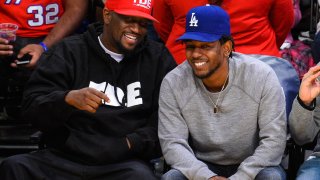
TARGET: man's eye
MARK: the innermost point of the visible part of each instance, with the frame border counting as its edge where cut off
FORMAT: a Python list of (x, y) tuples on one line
[(144, 24), (128, 19), (206, 47), (190, 47)]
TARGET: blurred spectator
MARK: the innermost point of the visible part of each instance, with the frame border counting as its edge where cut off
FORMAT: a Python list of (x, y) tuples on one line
[(315, 47), (304, 122), (45, 22), (296, 51), (297, 17)]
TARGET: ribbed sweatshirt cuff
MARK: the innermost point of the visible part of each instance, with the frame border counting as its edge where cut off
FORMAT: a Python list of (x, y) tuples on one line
[(310, 107), (135, 142)]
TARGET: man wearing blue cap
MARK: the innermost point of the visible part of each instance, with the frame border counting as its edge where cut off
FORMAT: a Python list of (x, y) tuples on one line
[(95, 98), (221, 114)]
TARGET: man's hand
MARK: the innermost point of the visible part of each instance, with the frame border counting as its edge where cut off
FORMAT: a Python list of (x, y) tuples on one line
[(87, 99), (5, 48), (35, 50), (218, 178), (128, 142), (310, 87)]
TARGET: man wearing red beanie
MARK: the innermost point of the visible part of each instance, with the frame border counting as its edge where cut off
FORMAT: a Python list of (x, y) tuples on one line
[(95, 98)]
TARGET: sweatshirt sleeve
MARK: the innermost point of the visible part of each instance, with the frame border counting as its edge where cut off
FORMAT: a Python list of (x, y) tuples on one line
[(272, 131), (281, 18), (46, 90), (173, 135), (145, 141), (304, 124)]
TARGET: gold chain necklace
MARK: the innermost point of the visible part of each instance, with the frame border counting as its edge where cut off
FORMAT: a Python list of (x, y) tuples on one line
[(215, 105)]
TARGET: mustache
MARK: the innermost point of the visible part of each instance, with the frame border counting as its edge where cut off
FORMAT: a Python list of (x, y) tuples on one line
[(198, 59), (138, 35)]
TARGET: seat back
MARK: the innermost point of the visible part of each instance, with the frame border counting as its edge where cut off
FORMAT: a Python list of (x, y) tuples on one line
[(287, 76)]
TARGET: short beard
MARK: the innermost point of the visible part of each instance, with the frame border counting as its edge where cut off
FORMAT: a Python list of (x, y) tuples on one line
[(211, 71), (123, 50)]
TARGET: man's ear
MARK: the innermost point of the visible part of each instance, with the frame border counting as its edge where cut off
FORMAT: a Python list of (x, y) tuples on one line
[(106, 15), (227, 48)]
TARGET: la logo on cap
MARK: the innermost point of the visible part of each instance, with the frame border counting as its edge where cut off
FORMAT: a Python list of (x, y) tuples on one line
[(142, 3), (193, 20)]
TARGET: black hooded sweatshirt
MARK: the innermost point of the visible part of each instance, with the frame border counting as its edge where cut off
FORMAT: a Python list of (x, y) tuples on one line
[(98, 138)]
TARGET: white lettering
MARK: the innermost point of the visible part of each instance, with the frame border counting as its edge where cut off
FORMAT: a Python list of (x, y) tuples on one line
[(133, 93), (133, 90), (193, 20), (143, 3)]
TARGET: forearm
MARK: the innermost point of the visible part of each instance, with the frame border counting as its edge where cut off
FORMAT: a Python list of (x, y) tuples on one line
[(303, 127), (268, 153), (178, 155), (144, 143), (98, 149), (173, 134), (177, 152), (46, 111), (75, 11), (44, 94)]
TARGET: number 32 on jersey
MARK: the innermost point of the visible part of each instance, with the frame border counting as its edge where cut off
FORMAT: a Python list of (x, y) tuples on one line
[(42, 15)]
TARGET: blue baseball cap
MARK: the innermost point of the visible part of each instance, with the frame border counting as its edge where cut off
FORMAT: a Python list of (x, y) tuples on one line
[(206, 23)]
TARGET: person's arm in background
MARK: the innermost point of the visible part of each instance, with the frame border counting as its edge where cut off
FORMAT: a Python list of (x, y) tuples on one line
[(162, 12), (281, 19), (75, 11), (304, 118)]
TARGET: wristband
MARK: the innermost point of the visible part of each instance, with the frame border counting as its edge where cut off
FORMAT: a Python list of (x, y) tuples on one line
[(45, 48), (310, 107)]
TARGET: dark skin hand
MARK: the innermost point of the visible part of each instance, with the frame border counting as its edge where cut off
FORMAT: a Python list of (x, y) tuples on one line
[(218, 178), (310, 86), (75, 11), (86, 99), (5, 48)]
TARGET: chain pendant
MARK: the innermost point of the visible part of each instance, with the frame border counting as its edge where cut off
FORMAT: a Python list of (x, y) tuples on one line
[(215, 109)]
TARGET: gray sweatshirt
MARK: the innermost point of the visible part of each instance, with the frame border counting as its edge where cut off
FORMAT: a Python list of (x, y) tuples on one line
[(249, 130), (305, 125)]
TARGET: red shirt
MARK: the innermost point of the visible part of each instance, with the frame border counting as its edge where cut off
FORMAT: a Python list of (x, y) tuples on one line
[(35, 18), (259, 27)]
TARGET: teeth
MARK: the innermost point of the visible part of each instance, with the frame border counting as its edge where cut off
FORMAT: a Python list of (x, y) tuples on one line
[(130, 36), (199, 64)]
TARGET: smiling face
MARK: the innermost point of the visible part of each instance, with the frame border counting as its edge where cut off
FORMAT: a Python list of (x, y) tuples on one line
[(205, 58), (122, 33)]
